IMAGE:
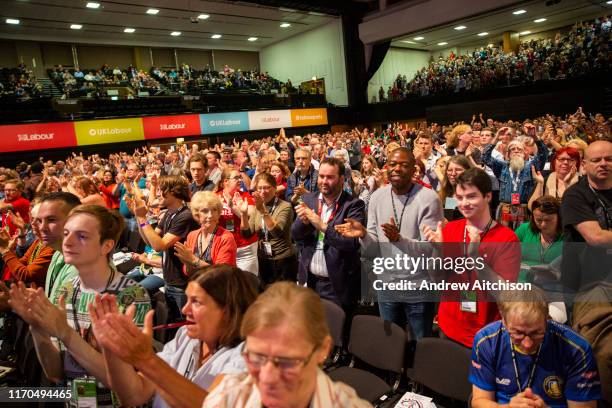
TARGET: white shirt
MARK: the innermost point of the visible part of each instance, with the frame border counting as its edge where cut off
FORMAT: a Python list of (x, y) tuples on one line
[(318, 266)]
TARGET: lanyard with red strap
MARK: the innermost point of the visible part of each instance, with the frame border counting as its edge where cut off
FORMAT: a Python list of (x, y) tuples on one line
[(333, 214)]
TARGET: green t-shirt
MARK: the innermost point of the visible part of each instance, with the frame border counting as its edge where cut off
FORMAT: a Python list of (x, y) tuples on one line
[(128, 292), (532, 252), (58, 274)]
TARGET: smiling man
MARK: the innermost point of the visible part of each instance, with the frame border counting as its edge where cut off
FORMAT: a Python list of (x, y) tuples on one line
[(527, 360)]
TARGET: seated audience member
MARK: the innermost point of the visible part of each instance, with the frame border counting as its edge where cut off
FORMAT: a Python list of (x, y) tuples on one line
[(149, 273), (541, 245), (230, 195), (202, 352), (286, 327), (211, 244), (527, 360), (90, 235), (271, 223), (565, 165), (462, 313)]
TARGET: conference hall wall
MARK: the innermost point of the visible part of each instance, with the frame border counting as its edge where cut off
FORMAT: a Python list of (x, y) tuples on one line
[(39, 56), (315, 53)]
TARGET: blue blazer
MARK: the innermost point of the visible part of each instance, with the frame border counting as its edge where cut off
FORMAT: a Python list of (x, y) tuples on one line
[(341, 254)]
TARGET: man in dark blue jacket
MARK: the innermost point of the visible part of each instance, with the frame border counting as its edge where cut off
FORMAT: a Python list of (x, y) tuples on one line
[(329, 262)]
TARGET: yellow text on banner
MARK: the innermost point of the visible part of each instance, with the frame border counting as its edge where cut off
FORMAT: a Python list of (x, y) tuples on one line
[(108, 131)]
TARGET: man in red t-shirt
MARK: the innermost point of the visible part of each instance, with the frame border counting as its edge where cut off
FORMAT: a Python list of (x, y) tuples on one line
[(13, 201), (462, 313)]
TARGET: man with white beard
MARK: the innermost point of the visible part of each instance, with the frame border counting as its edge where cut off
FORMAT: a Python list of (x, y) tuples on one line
[(514, 173)]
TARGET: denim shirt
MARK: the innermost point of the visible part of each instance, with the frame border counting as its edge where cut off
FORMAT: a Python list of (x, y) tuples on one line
[(310, 182), (525, 183)]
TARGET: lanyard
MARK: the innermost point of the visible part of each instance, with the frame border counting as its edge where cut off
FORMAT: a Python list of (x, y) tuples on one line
[(484, 234), (516, 371), (399, 224), (603, 206), (515, 181), (205, 256), (75, 296), (263, 223), (333, 214), (169, 221)]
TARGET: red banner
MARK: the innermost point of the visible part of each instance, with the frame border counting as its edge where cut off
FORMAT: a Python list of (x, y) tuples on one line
[(37, 136), (161, 127)]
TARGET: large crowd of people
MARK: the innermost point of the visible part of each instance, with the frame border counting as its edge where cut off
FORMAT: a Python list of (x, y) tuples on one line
[(193, 81), (584, 50), (90, 245), (185, 80), (19, 82)]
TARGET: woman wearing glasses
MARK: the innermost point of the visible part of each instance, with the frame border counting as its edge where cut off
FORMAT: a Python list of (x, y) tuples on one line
[(565, 165), (286, 340), (230, 195), (206, 348), (271, 223)]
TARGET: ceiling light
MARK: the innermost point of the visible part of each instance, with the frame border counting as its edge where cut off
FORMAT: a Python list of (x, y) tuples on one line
[(418, 38), (519, 12), (252, 39), (483, 34), (461, 27), (215, 36), (525, 32), (152, 11), (175, 33), (285, 25), (129, 30), (609, 2), (539, 20), (408, 42), (203, 16), (92, 5), (442, 43), (76, 26), (12, 21)]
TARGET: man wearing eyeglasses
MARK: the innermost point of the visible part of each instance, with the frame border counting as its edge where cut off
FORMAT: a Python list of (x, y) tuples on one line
[(527, 360)]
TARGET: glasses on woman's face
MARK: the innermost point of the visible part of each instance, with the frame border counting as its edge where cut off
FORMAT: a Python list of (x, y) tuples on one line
[(235, 178), (288, 365), (565, 159)]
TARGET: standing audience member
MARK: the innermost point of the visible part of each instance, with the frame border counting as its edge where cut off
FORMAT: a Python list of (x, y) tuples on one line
[(172, 228), (271, 223), (329, 263), (303, 179), (231, 196), (15, 202)]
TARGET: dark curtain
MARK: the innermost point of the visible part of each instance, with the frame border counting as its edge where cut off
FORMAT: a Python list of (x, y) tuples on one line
[(379, 51)]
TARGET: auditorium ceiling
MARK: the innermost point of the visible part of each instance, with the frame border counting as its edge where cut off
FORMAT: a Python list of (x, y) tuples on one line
[(523, 17), (197, 22)]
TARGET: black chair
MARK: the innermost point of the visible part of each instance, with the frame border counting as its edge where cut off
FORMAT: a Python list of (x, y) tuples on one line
[(379, 344), (161, 316), (335, 321), (442, 366)]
